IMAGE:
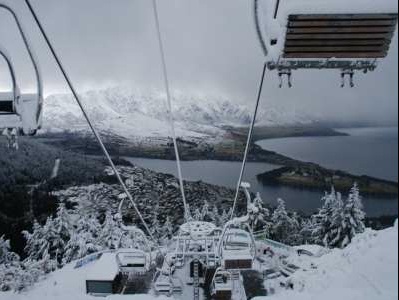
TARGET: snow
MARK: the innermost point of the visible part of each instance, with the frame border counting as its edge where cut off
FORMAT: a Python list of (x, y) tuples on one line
[(66, 284), (367, 269), (105, 269), (129, 113)]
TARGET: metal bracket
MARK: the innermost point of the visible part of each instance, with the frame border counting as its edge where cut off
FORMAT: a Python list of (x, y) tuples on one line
[(285, 73), (350, 74)]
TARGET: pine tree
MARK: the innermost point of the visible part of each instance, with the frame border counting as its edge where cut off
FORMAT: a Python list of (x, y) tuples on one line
[(353, 217), (329, 221), (168, 229), (38, 242), (60, 232), (156, 225), (258, 215), (84, 240), (11, 270), (197, 215), (283, 225), (205, 212), (111, 233), (215, 216)]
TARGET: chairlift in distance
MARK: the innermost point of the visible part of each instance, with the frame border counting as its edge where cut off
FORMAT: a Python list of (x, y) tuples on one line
[(18, 111)]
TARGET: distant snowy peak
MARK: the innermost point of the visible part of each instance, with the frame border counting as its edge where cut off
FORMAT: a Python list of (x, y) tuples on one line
[(129, 113)]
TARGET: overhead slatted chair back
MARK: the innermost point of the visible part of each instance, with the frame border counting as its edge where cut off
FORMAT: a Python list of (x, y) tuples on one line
[(340, 36)]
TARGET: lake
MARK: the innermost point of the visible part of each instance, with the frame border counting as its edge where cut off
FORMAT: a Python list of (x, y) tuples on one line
[(366, 151), (370, 151)]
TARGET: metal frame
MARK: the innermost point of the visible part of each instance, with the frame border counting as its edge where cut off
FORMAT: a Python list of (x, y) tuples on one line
[(34, 63), (15, 89), (239, 222)]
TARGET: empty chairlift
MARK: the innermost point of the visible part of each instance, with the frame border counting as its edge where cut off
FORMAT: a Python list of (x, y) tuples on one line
[(133, 262), (327, 35), (21, 112), (237, 248), (138, 260), (222, 285)]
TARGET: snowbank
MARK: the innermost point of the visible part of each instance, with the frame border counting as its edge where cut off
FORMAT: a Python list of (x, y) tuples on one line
[(68, 284), (366, 270)]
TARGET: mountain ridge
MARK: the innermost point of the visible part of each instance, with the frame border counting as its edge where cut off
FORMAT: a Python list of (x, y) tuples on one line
[(128, 113)]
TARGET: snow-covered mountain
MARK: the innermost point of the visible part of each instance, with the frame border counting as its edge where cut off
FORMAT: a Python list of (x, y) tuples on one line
[(128, 113)]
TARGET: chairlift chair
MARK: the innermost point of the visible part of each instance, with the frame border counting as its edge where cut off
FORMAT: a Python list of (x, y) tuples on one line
[(133, 261), (222, 285), (299, 36), (237, 247), (22, 112)]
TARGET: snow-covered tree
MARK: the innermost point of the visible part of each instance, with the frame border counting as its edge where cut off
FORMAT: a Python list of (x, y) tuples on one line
[(328, 230), (12, 274), (197, 215), (111, 232), (258, 215), (62, 228), (353, 217), (84, 239), (284, 226), (205, 212), (168, 228), (156, 229)]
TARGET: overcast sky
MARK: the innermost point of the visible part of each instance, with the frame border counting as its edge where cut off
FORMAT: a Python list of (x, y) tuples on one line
[(211, 49)]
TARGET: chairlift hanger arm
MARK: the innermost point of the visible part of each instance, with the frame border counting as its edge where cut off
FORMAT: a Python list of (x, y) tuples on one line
[(15, 89), (33, 60)]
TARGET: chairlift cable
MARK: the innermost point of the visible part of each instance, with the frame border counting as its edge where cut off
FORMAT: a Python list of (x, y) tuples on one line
[(93, 129), (250, 134), (187, 214)]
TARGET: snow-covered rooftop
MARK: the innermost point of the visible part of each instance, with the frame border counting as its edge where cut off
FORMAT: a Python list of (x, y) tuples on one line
[(105, 269)]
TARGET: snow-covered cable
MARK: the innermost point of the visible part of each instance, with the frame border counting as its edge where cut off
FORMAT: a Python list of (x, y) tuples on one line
[(187, 213), (93, 129), (251, 130)]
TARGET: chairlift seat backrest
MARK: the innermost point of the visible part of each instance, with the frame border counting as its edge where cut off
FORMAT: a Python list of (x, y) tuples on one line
[(353, 36)]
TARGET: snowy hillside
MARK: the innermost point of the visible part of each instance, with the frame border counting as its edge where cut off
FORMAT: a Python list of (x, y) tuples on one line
[(129, 113), (367, 269)]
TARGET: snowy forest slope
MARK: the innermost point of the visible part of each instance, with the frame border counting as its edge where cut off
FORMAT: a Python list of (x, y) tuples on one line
[(367, 269)]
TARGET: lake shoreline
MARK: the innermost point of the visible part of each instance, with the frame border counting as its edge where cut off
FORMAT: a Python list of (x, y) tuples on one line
[(231, 149)]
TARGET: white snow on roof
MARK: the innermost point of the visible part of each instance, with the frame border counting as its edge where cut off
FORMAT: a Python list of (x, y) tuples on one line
[(104, 269)]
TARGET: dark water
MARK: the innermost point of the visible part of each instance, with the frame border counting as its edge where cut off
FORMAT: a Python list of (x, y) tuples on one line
[(226, 174), (367, 151)]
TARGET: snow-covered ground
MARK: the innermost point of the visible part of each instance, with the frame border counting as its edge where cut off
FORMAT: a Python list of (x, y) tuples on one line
[(128, 113), (366, 270)]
